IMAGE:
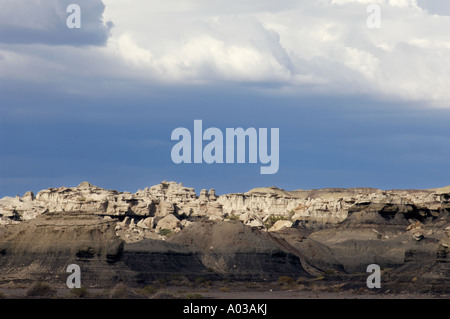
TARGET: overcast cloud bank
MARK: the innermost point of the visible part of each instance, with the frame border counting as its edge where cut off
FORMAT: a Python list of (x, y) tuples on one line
[(321, 46)]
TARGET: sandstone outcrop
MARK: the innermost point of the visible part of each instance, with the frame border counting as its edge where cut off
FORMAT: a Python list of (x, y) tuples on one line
[(279, 225), (303, 232), (325, 206)]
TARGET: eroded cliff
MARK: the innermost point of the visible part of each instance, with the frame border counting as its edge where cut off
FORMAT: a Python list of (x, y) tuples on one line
[(258, 235)]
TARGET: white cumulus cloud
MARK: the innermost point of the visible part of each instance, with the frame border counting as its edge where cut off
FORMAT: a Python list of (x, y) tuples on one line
[(308, 46), (322, 45)]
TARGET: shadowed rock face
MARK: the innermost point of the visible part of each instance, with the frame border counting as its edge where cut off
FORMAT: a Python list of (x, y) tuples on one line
[(238, 251), (167, 229), (212, 250), (41, 249)]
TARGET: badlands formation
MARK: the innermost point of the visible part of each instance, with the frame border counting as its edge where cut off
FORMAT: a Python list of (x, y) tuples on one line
[(331, 234)]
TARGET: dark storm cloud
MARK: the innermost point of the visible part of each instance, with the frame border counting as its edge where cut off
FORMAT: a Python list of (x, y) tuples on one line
[(123, 141), (44, 22)]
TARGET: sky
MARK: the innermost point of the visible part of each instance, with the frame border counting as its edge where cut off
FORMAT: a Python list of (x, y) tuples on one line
[(356, 106)]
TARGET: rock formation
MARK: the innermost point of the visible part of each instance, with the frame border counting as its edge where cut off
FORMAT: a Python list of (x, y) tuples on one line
[(302, 232)]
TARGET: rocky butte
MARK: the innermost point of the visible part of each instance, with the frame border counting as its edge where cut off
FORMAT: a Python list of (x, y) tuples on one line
[(259, 235)]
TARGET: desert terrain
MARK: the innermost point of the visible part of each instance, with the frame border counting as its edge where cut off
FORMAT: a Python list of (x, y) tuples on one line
[(166, 241)]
